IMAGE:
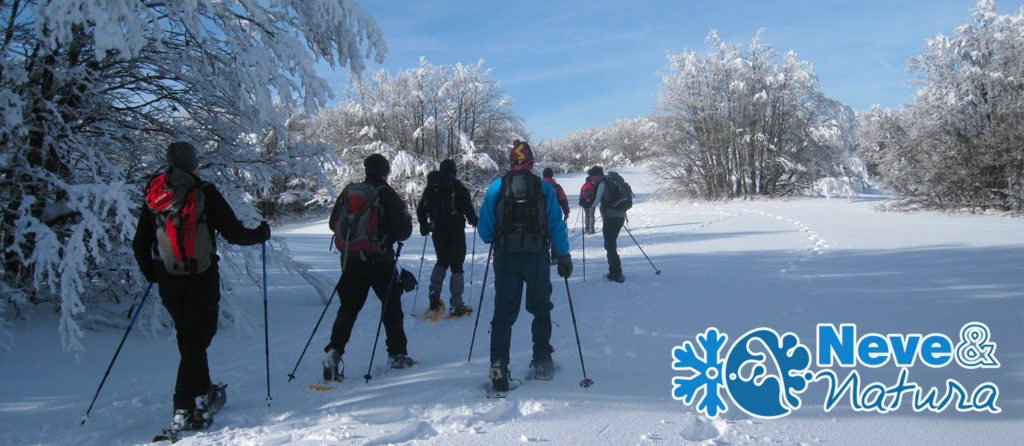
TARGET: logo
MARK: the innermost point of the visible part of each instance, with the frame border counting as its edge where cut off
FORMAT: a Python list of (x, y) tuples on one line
[(764, 373)]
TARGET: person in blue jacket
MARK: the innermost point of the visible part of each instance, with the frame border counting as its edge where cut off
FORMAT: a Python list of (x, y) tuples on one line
[(521, 217)]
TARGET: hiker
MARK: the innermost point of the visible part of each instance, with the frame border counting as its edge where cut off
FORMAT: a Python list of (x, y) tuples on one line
[(563, 202), (368, 260), (587, 194), (520, 216), (611, 191), (443, 211), (175, 247)]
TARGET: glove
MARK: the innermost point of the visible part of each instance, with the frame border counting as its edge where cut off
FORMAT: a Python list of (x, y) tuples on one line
[(473, 221), (564, 266), (150, 276), (424, 230), (265, 227)]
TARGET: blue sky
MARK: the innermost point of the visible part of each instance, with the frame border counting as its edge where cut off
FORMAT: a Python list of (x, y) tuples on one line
[(572, 65)]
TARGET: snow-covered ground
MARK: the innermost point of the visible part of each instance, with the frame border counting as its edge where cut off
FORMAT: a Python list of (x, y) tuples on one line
[(788, 265)]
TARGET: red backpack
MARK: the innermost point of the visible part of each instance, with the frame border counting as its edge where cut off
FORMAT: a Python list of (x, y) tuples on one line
[(587, 194), (184, 240), (357, 218)]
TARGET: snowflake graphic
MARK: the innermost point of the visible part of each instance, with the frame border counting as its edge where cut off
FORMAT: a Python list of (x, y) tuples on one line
[(707, 372)]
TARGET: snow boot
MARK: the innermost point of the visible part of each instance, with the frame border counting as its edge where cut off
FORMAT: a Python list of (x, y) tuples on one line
[(334, 367), (435, 302), (399, 361), (543, 369), (499, 377), (616, 278), (209, 404), (187, 420)]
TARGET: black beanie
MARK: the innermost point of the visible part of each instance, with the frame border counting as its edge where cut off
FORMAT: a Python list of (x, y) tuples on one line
[(548, 173), (182, 155), (595, 171), (377, 166), (449, 167)]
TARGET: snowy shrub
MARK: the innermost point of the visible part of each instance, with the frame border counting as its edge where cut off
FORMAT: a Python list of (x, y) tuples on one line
[(623, 143), (91, 92), (959, 143)]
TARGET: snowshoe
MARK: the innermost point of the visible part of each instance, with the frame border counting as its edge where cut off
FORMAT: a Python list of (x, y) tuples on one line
[(459, 311), (436, 309), (399, 361), (616, 278)]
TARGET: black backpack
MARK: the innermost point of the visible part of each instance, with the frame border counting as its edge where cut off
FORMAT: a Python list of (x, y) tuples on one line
[(522, 213), (184, 239), (617, 194), (440, 200)]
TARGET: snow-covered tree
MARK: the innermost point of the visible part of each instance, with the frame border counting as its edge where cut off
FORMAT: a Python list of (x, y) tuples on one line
[(622, 143), (92, 91), (960, 142), (421, 116), (741, 122)]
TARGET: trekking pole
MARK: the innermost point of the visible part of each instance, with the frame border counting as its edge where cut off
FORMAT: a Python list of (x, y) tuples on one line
[(116, 352), (344, 261), (480, 304), (584, 240), (472, 264), (266, 328), (418, 275), (387, 300), (657, 271), (586, 382)]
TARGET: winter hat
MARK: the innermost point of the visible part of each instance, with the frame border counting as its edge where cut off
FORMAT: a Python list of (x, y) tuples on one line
[(376, 166), (595, 171), (548, 173), (449, 167), (182, 155), (520, 154)]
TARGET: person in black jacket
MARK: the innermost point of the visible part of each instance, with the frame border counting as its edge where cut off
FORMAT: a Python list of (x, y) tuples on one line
[(377, 272), (448, 232), (191, 296)]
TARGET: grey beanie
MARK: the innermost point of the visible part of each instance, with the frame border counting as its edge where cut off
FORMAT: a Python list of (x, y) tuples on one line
[(182, 155)]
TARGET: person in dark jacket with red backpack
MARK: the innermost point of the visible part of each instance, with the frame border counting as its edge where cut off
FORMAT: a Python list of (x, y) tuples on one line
[(563, 202), (185, 269), (371, 263), (443, 211), (587, 194)]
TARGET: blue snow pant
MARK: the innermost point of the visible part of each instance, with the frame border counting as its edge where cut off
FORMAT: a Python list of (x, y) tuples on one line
[(511, 271)]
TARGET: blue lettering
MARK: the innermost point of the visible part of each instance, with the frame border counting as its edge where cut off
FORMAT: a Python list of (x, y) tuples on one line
[(831, 345), (903, 350), (936, 350), (989, 403), (851, 384), (872, 350)]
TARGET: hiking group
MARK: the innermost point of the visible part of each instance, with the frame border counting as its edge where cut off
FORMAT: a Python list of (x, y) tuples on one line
[(523, 218)]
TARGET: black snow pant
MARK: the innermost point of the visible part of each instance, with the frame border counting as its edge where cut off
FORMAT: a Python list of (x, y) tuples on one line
[(450, 246), (194, 303), (511, 271), (611, 228), (357, 279)]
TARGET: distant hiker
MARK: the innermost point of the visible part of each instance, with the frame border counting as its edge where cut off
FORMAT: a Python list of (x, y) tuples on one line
[(443, 211), (175, 247), (367, 219), (587, 194), (614, 197), (520, 216), (563, 202)]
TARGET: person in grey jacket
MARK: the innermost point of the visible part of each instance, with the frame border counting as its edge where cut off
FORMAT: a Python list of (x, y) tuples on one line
[(612, 219)]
